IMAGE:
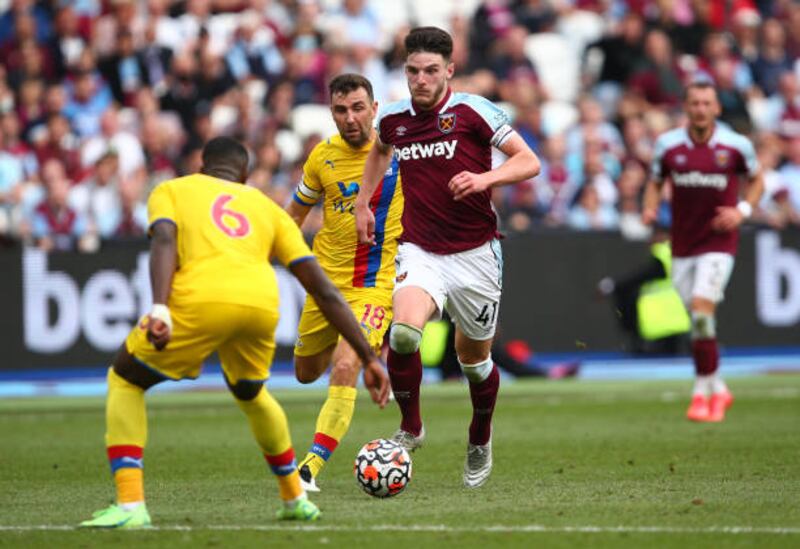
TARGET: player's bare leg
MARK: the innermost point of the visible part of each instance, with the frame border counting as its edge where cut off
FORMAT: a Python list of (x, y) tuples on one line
[(484, 381), (413, 306), (711, 396), (337, 412), (309, 368), (271, 430)]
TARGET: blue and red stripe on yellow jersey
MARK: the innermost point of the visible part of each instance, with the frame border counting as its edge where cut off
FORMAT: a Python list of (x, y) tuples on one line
[(333, 171)]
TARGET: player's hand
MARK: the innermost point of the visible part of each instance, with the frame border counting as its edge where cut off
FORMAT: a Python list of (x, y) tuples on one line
[(649, 216), (377, 382), (728, 218), (159, 326), (365, 225), (467, 183)]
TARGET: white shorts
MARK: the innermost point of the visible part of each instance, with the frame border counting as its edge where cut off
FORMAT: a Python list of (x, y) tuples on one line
[(705, 275), (465, 284)]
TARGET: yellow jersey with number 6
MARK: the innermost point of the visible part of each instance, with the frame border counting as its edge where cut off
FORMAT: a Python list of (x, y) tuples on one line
[(226, 234)]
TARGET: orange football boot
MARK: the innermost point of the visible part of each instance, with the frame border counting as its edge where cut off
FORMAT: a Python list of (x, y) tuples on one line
[(698, 409), (718, 404)]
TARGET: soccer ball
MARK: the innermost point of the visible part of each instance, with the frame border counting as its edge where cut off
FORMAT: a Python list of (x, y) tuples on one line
[(382, 468)]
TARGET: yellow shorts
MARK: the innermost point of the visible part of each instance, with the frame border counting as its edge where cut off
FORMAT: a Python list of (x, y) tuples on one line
[(372, 309), (243, 336)]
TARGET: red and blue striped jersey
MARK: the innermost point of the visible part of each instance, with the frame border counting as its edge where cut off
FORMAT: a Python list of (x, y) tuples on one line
[(333, 174)]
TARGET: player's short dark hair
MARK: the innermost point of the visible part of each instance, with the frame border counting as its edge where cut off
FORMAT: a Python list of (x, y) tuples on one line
[(225, 151), (699, 84), (346, 83), (431, 40)]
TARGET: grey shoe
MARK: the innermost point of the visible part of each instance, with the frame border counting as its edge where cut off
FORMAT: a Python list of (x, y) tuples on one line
[(478, 465), (409, 441)]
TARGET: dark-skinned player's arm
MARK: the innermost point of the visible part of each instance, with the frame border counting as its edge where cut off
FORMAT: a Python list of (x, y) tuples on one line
[(378, 160), (163, 263), (338, 313), (728, 218)]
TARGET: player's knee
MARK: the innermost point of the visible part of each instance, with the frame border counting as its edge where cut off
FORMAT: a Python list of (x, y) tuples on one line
[(305, 375), (245, 390), (479, 372), (134, 372), (345, 372), (704, 326), (404, 338)]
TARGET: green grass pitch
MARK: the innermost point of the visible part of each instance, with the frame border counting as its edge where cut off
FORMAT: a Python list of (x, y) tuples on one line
[(577, 464)]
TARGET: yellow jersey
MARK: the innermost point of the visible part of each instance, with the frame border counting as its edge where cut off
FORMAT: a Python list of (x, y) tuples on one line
[(226, 234), (334, 169)]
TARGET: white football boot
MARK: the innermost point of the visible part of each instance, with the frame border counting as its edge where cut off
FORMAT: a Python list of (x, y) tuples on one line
[(478, 465), (409, 441)]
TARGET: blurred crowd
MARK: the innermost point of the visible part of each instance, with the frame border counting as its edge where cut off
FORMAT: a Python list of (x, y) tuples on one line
[(100, 100)]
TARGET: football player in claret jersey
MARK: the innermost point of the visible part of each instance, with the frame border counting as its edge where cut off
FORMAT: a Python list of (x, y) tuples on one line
[(363, 272), (449, 254), (704, 163), (214, 290)]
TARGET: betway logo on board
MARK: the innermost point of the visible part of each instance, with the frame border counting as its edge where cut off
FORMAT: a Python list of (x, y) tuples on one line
[(697, 179), (417, 151)]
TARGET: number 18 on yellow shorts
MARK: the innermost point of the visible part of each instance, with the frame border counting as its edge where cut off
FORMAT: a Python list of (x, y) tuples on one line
[(372, 309)]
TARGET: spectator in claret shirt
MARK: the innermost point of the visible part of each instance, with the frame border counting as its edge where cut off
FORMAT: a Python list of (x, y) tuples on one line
[(59, 142), (131, 220), (55, 225), (659, 80)]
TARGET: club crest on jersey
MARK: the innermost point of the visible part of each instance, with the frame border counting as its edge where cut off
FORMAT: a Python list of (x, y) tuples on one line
[(401, 277), (447, 122), (722, 157)]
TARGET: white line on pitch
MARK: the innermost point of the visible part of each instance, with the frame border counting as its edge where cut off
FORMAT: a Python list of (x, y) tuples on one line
[(444, 528)]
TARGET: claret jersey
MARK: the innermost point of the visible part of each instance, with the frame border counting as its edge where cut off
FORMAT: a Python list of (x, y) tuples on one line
[(433, 146), (704, 177)]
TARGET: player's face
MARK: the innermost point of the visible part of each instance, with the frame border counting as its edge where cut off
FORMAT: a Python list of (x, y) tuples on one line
[(701, 107), (353, 114), (427, 74)]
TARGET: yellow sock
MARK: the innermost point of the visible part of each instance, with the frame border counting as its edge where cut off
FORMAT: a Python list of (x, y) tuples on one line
[(271, 431), (332, 424), (289, 486), (130, 485), (126, 435)]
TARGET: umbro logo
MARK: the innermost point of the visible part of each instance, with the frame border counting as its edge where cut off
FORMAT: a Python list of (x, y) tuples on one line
[(330, 163), (400, 131)]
